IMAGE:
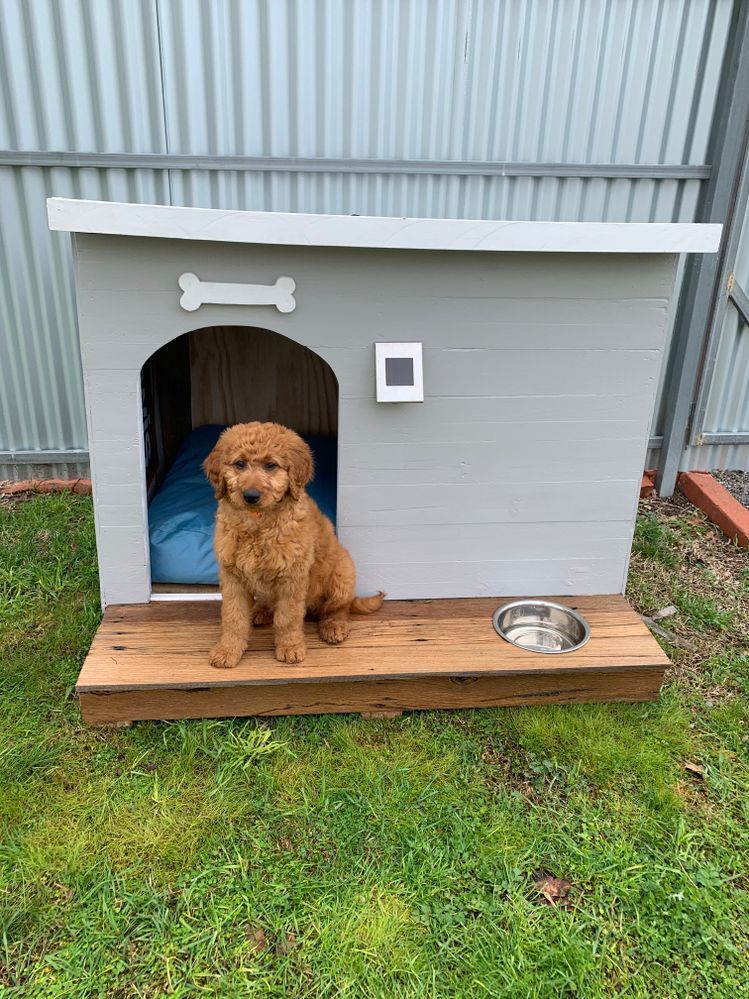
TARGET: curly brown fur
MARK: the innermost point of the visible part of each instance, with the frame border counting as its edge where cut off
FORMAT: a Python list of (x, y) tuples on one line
[(278, 556)]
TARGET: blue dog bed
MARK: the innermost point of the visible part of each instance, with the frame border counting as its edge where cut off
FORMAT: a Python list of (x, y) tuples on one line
[(182, 513)]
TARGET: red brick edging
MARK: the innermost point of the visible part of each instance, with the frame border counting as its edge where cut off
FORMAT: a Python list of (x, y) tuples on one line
[(45, 486), (647, 487), (715, 500)]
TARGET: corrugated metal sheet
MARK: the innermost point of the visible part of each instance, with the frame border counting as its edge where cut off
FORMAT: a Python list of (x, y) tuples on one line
[(51, 470), (76, 75), (612, 82), (620, 81), (728, 401), (80, 75), (707, 457), (41, 390), (712, 456)]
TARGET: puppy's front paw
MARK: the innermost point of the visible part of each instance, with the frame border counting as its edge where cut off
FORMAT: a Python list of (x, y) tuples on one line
[(333, 632), (290, 652), (224, 656)]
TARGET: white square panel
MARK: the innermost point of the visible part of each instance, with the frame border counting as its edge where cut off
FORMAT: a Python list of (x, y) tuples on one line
[(399, 372)]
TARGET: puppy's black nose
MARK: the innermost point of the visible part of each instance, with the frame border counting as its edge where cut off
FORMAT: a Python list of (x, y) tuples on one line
[(251, 496)]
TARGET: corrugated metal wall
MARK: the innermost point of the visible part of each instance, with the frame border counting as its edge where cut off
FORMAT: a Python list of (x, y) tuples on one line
[(727, 409), (76, 75), (508, 100)]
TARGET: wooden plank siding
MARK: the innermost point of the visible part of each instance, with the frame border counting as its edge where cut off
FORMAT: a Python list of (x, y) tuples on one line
[(540, 376)]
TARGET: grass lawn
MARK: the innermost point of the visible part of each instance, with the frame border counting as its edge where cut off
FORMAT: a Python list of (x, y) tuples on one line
[(335, 856)]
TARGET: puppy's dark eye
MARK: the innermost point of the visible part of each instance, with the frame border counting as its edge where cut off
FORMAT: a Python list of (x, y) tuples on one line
[(239, 465), (270, 466)]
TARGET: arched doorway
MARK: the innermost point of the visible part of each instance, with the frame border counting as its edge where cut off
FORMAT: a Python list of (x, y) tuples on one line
[(192, 388)]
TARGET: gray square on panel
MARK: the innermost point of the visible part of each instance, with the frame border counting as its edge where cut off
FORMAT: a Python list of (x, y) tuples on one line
[(399, 371)]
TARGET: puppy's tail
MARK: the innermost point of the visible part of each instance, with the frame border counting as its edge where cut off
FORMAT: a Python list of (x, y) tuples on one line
[(366, 605)]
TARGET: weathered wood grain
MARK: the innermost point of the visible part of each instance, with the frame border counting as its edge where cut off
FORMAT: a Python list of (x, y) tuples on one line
[(243, 373), (377, 698), (165, 645)]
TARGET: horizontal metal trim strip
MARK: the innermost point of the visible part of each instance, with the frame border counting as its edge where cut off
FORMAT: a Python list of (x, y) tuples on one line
[(725, 438), (302, 164), (42, 457)]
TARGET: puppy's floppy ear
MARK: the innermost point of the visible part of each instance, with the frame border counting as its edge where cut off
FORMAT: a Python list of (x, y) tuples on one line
[(213, 468), (301, 466)]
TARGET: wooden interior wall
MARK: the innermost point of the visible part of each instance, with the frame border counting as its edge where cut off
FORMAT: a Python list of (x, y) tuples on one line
[(242, 373)]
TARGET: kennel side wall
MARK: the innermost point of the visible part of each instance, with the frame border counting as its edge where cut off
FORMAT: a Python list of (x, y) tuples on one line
[(519, 473)]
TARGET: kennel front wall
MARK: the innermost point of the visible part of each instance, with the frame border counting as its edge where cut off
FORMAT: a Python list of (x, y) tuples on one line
[(518, 474)]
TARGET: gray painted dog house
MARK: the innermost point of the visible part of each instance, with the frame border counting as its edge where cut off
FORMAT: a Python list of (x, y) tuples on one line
[(542, 346)]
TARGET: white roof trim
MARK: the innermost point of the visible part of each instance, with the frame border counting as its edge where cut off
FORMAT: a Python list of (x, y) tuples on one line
[(118, 219)]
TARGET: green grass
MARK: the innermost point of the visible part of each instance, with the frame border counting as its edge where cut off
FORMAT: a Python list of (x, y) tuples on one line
[(336, 856)]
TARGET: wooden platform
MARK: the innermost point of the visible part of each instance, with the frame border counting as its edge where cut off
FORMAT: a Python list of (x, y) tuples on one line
[(151, 661)]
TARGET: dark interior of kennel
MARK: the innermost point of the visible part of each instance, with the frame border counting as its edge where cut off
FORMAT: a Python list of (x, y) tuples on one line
[(221, 375)]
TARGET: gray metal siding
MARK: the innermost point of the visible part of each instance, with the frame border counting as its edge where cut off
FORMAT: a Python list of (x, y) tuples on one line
[(728, 402), (518, 95)]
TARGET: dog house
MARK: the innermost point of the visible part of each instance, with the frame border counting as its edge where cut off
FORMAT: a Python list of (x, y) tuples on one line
[(478, 395)]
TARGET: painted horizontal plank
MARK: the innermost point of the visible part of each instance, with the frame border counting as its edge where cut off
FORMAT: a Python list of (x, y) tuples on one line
[(123, 572), (645, 331), (473, 542), (116, 471), (410, 580), (115, 265), (418, 424), (467, 318), (481, 463), (601, 415), (517, 323), (319, 312), (496, 503), (349, 230), (507, 372)]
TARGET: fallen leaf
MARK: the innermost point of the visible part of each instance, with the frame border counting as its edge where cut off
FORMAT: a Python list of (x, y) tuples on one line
[(286, 945), (554, 890), (258, 938), (695, 768)]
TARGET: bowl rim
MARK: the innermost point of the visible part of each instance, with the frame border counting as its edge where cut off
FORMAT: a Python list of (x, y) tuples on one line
[(543, 603)]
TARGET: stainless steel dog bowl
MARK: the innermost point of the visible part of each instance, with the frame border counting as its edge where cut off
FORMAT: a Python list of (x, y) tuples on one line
[(541, 626)]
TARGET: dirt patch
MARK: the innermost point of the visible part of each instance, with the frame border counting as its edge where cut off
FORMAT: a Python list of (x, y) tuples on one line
[(680, 558)]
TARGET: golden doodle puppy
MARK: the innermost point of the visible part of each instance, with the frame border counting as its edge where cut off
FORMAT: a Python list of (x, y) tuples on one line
[(278, 556)]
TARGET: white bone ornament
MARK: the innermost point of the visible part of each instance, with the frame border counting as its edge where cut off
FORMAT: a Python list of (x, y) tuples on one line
[(196, 293)]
